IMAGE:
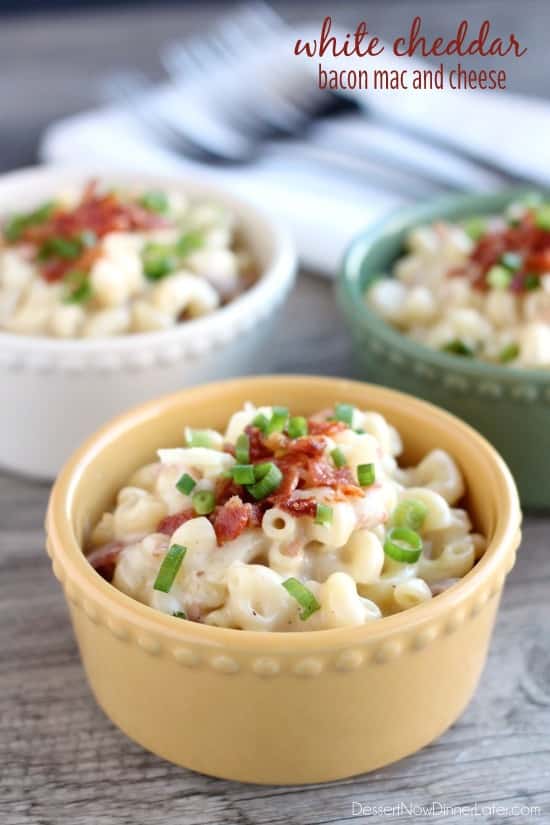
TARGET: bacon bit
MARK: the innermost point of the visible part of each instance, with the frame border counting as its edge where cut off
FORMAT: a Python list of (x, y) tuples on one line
[(532, 243), (99, 213), (258, 450), (290, 481), (307, 446), (322, 474), (104, 558), (193, 612), (232, 519), (299, 506), (169, 524), (325, 427)]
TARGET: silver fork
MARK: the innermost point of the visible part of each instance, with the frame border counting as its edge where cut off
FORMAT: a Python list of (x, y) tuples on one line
[(288, 103), (221, 144)]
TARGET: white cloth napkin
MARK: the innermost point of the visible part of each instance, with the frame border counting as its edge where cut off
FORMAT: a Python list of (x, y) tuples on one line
[(325, 207)]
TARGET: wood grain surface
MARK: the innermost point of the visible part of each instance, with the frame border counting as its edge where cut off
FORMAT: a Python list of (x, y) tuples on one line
[(61, 761)]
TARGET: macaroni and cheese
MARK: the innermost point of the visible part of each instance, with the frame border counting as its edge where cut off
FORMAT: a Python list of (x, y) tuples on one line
[(479, 289), (287, 523), (100, 262)]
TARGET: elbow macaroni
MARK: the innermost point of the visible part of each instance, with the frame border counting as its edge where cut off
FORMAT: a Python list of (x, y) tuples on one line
[(65, 272), (478, 289), (241, 552)]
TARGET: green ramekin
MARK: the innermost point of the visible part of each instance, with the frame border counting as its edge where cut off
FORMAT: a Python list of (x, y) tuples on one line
[(510, 406)]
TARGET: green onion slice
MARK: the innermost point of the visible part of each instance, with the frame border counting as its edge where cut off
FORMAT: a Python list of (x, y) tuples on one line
[(77, 288), (410, 513), (278, 420), (197, 438), (323, 514), (508, 353), (180, 614), (68, 248), (542, 217), (168, 571), (458, 347), (499, 277), (531, 282), (512, 261), (158, 261), (303, 596), (203, 502), (475, 227), (186, 484), (261, 421), (154, 201), (297, 427), (268, 477), (189, 243), (366, 474), (344, 412), (242, 449), (403, 544), (338, 457), (243, 473), (17, 224)]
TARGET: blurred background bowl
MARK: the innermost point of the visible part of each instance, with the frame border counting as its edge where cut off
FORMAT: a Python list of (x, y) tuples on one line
[(510, 406), (57, 392)]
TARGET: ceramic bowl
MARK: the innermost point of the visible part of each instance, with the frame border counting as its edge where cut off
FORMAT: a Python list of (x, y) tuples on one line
[(57, 392), (280, 708), (508, 405)]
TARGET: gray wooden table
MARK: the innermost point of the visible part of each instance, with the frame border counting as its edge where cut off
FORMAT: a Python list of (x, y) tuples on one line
[(61, 760)]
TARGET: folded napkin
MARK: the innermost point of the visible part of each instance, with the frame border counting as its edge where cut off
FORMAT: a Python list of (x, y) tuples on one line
[(325, 204)]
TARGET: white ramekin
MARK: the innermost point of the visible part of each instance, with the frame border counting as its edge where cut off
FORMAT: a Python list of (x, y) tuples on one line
[(57, 392)]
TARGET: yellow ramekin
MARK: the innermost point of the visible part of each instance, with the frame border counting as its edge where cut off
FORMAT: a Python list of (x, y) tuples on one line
[(280, 708)]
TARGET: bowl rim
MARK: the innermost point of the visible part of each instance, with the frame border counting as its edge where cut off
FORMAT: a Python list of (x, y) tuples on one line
[(283, 258), (351, 290), (68, 557)]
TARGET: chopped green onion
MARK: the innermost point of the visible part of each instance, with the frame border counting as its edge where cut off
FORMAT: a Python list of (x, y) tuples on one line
[(168, 571), (475, 227), (531, 282), (338, 457), (17, 224), (242, 449), (499, 277), (77, 288), (243, 473), (69, 248), (154, 201), (344, 412), (186, 484), (410, 513), (197, 438), (323, 514), (366, 474), (158, 261), (278, 420), (268, 477), (542, 217), (203, 502), (87, 238), (303, 596), (180, 614), (403, 544), (261, 421), (189, 243), (359, 431), (512, 261), (458, 347), (508, 353), (297, 427)]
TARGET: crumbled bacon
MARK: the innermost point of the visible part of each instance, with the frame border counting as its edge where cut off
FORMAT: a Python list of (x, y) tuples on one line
[(525, 239), (258, 450), (104, 559), (97, 213), (326, 427), (233, 517), (299, 506), (169, 524), (306, 446)]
